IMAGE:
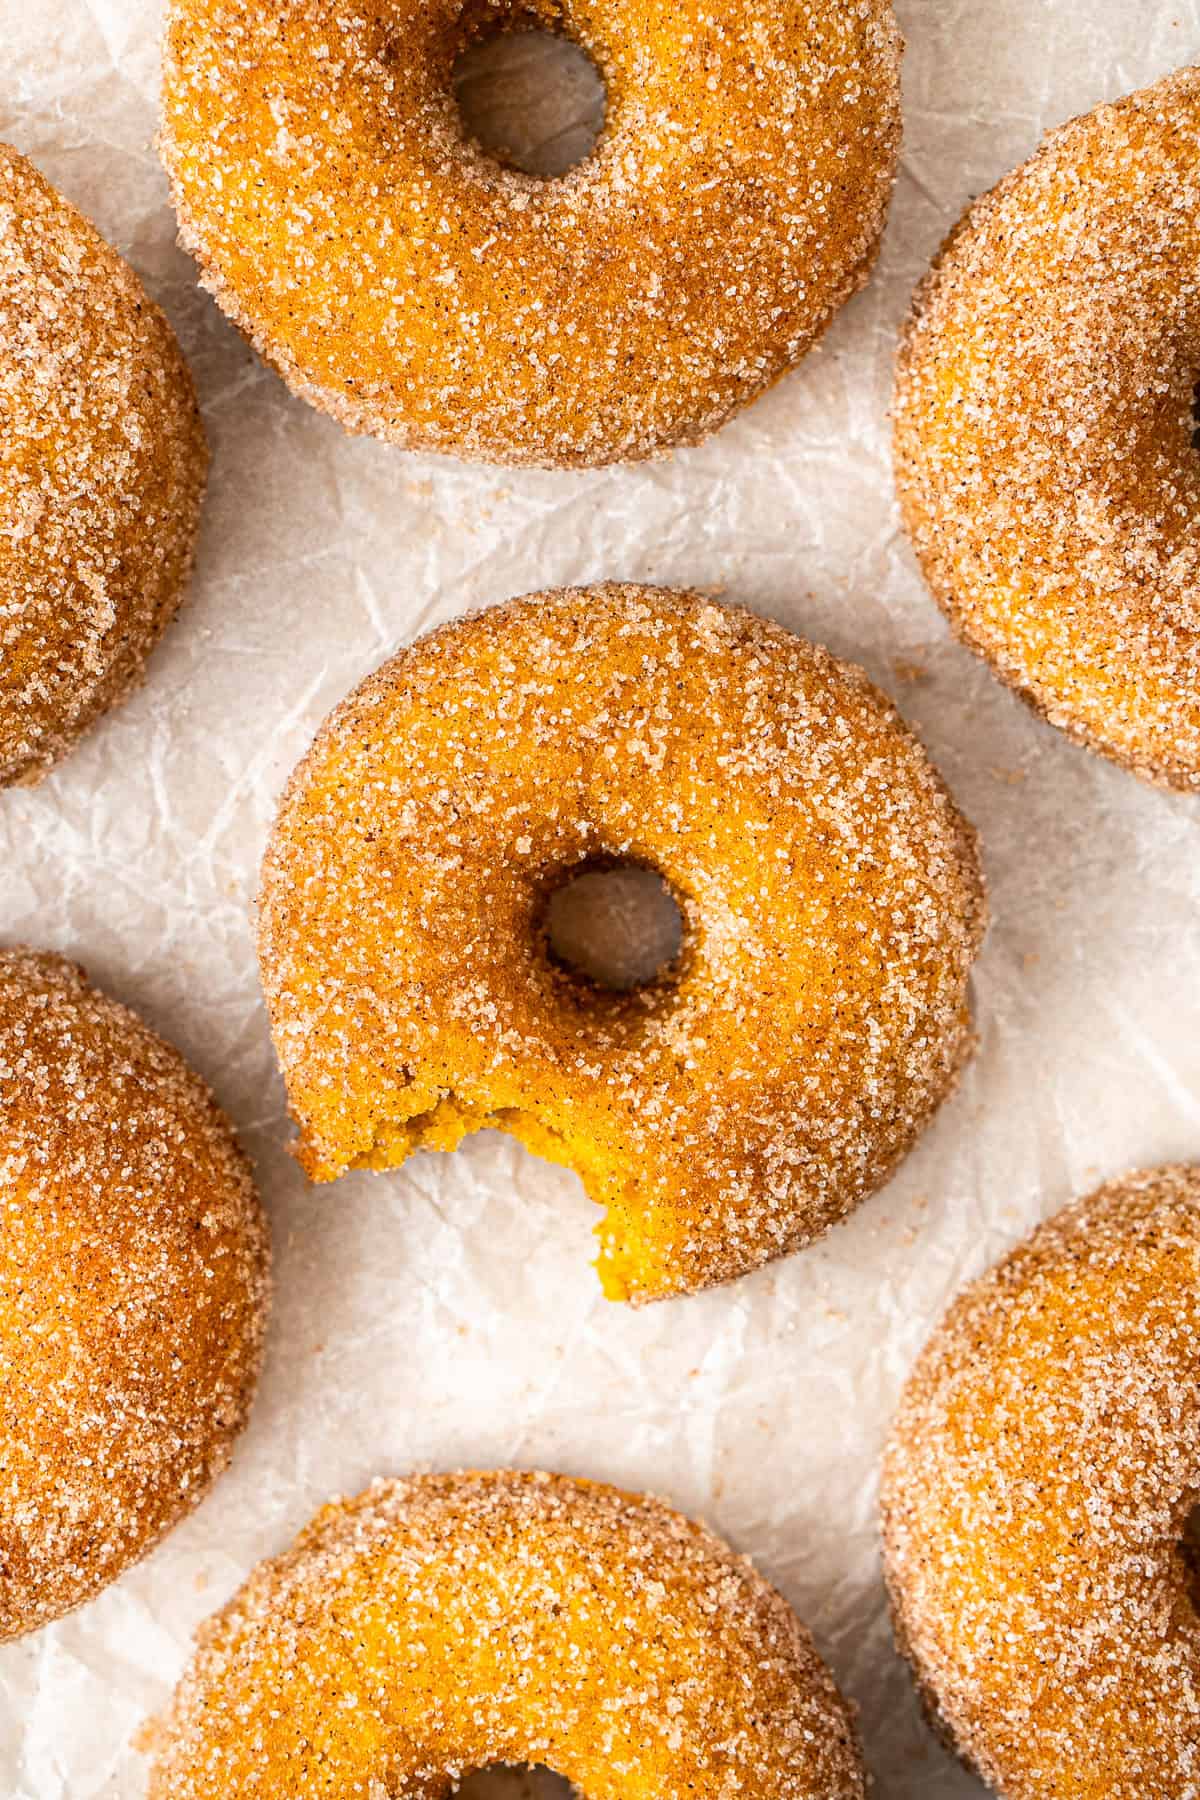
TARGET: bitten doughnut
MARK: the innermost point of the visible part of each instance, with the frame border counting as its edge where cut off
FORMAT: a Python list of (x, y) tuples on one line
[(1045, 432), (467, 1620), (133, 1285), (1037, 1492), (402, 280), (101, 477), (736, 1106)]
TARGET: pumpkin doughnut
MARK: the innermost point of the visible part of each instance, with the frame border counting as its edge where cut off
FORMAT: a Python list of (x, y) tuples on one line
[(133, 1284), (466, 1620), (102, 468), (735, 1107), (1044, 426), (402, 280), (1037, 1490)]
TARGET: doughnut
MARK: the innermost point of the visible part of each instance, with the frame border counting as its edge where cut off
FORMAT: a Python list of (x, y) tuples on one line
[(473, 1619), (133, 1288), (402, 280), (1044, 430), (101, 475), (1037, 1490), (725, 1112)]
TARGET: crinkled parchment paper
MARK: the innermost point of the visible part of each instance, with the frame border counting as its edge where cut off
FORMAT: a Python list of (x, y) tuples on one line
[(447, 1314)]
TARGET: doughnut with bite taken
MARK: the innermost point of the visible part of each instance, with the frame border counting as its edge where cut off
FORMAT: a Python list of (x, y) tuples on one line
[(727, 1111)]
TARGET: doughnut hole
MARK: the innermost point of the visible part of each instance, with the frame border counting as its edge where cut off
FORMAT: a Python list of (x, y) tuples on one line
[(1189, 1549), (504, 1781), (616, 927), (530, 98)]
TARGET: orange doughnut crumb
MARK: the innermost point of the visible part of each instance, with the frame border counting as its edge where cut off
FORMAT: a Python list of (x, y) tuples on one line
[(1038, 1486), (735, 1107), (439, 1625), (133, 1287), (400, 279), (102, 469), (1046, 432)]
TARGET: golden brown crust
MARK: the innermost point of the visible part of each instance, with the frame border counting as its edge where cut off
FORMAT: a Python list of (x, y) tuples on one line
[(133, 1289), (1038, 1479), (465, 1620), (101, 474), (831, 895), (399, 279), (1043, 430)]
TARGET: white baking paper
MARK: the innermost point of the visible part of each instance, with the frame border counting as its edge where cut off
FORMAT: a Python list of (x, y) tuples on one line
[(446, 1314)]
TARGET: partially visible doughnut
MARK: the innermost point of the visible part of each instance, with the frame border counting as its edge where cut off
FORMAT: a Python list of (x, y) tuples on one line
[(1044, 424), (442, 1624), (1037, 1490), (402, 280), (832, 899), (102, 468), (133, 1289)]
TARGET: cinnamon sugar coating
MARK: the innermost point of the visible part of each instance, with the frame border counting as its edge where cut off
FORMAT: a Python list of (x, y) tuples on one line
[(1044, 422), (831, 895), (133, 1289), (400, 279), (1037, 1489), (441, 1624), (101, 473)]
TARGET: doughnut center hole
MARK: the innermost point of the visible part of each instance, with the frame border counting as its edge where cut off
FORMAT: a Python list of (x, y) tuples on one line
[(504, 1781), (1189, 1546), (531, 99), (619, 928)]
